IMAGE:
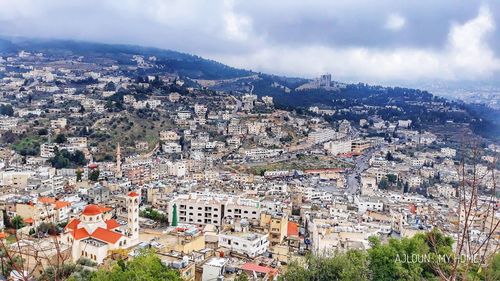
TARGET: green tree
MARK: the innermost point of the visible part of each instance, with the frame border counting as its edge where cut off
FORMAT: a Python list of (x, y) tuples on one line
[(392, 178), (94, 175), (17, 222), (145, 267), (60, 138), (6, 109), (406, 188), (154, 215), (416, 258), (66, 159), (9, 264), (492, 271), (43, 132), (389, 156), (383, 184), (389, 261), (352, 265), (28, 146), (79, 174), (67, 271), (47, 228), (242, 277), (110, 86)]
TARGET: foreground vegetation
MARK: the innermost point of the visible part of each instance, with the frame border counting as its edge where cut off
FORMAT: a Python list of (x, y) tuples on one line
[(423, 257), (144, 267)]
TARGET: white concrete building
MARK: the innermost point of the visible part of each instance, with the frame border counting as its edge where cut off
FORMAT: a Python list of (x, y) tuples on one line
[(59, 123), (322, 136), (214, 269), (171, 147), (245, 243), (208, 208), (338, 147)]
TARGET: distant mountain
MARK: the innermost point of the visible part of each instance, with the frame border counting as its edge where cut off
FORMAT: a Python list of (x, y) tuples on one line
[(184, 64), (7, 46), (417, 105)]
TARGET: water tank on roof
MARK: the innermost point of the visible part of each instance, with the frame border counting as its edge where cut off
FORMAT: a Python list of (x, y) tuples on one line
[(185, 261)]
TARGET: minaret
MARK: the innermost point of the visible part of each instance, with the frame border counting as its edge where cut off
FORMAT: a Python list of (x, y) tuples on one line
[(174, 216), (118, 172), (133, 200)]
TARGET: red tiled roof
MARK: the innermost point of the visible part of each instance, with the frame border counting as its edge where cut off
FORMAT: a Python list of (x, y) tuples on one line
[(91, 210), (28, 220), (314, 171), (258, 268), (80, 233), (112, 224), (412, 208), (106, 235), (105, 209), (133, 194), (72, 224), (46, 200), (3, 235), (62, 204), (292, 229)]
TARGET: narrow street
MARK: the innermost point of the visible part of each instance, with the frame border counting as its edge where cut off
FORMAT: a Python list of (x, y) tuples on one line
[(360, 165)]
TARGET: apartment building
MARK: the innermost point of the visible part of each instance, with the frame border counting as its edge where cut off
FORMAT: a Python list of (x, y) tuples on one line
[(208, 208), (245, 243)]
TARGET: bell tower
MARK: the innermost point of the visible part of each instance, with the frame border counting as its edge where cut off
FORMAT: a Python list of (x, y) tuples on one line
[(133, 200)]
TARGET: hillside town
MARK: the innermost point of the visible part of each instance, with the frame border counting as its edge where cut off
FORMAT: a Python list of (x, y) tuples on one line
[(103, 158)]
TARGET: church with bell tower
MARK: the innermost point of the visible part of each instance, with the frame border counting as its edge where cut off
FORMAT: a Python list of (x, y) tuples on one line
[(92, 236)]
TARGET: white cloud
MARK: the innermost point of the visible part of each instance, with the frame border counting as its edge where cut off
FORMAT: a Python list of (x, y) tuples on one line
[(282, 36), (236, 26), (468, 51), (466, 55), (395, 22)]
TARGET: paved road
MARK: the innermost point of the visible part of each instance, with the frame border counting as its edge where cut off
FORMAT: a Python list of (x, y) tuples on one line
[(238, 105), (360, 164)]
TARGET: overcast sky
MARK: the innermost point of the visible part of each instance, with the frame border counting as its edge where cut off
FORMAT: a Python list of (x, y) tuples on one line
[(354, 40)]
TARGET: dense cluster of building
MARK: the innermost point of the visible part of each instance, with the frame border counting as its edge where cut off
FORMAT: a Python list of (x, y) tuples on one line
[(236, 186)]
